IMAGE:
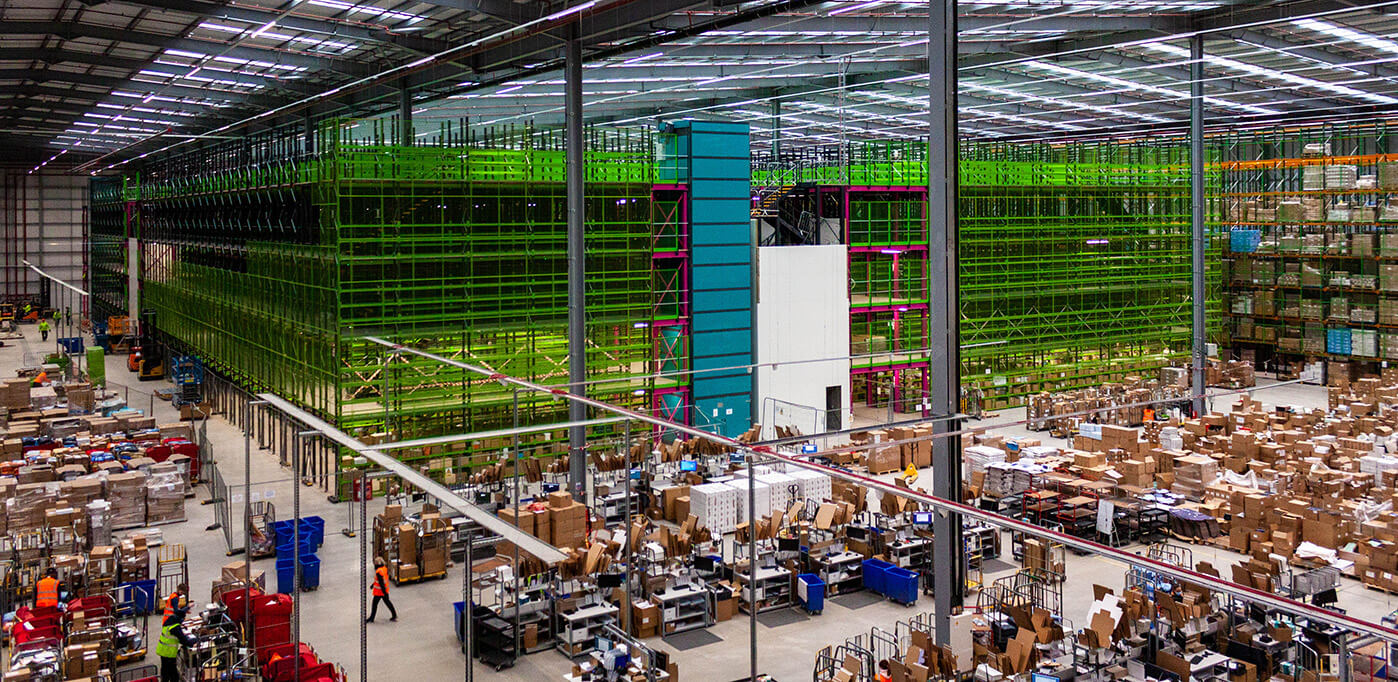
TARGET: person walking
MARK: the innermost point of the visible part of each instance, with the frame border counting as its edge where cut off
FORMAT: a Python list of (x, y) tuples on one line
[(44, 329), (381, 592), (46, 592), (172, 637)]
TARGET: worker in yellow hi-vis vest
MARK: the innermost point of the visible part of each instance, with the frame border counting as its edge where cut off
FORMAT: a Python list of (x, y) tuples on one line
[(172, 636)]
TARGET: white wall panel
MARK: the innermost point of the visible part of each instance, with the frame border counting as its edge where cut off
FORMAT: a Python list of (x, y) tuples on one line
[(802, 314)]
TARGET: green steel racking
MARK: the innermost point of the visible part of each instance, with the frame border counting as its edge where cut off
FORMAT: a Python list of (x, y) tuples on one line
[(1074, 258), (273, 261), (110, 222)]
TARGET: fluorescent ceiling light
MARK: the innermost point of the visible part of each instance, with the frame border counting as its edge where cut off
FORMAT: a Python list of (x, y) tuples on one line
[(1300, 81), (1141, 87), (851, 8), (1005, 92), (1365, 39), (571, 10), (633, 60)]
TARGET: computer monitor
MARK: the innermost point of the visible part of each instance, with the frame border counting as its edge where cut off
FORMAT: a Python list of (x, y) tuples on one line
[(704, 563), (788, 544), (609, 580), (922, 518), (689, 465), (856, 533), (604, 644), (1042, 677)]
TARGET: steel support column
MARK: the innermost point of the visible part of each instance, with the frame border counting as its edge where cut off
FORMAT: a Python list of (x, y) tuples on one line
[(577, 341), (947, 574), (776, 129), (1196, 192), (405, 114)]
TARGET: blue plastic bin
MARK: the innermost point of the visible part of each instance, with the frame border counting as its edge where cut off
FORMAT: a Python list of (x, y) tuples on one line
[(900, 585), (285, 550), (810, 592), (310, 572), (312, 530), (874, 570), (140, 594), (286, 573), (282, 529), (459, 620), (316, 534)]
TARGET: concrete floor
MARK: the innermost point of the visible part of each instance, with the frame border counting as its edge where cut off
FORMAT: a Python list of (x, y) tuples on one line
[(422, 644)]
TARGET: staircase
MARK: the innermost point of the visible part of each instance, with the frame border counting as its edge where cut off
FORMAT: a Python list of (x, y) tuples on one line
[(768, 200)]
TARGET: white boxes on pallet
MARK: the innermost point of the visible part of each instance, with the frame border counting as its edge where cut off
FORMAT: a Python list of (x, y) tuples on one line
[(814, 485), (715, 505), (781, 486), (762, 498), (1343, 176), (978, 456), (1375, 465)]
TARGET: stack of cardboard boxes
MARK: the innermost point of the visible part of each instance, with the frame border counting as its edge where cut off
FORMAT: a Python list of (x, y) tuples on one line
[(434, 544), (165, 488), (412, 550), (127, 492), (14, 393), (558, 520), (236, 576), (133, 560)]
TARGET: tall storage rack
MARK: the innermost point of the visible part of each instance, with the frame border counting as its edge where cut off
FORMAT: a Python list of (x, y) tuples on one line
[(111, 221), (1312, 252), (460, 248), (1077, 257), (1074, 260)]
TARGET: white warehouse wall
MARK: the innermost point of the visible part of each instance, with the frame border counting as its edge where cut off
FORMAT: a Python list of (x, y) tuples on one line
[(43, 223), (802, 314)]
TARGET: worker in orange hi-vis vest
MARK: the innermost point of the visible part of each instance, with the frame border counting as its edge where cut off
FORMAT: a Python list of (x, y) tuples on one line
[(381, 592), (46, 594)]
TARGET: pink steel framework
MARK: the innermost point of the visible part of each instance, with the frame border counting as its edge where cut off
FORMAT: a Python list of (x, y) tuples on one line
[(671, 261)]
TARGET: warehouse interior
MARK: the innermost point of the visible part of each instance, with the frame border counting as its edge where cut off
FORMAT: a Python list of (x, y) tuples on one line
[(632, 340)]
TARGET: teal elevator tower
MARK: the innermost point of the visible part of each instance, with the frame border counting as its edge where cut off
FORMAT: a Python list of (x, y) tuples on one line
[(715, 158)]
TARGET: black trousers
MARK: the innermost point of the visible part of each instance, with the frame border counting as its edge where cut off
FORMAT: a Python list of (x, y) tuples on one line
[(169, 671), (45, 334), (374, 607)]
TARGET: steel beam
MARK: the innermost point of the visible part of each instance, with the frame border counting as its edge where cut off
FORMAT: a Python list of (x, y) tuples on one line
[(326, 26), (944, 315), (577, 297), (533, 546), (405, 115), (1196, 194), (882, 22), (498, 433), (75, 30)]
